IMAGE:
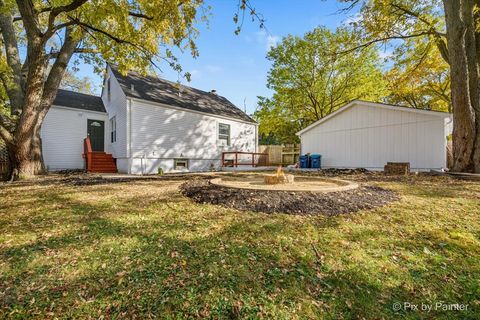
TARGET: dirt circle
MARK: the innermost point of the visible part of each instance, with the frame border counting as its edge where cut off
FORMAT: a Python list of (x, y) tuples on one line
[(300, 203), (301, 184)]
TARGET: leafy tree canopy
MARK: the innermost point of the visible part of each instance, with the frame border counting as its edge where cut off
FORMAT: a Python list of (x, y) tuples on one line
[(415, 31), (310, 80), (131, 34), (419, 77), (73, 83)]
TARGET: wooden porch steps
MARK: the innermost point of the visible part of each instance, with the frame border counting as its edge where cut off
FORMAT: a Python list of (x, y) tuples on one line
[(98, 161), (102, 162)]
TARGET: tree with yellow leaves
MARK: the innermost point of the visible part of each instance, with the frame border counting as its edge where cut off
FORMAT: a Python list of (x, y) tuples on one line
[(131, 34), (420, 78)]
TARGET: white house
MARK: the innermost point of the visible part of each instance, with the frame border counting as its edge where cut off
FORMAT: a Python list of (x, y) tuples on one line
[(145, 123), (368, 135)]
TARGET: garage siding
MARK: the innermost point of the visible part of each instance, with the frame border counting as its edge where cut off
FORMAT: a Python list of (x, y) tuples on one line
[(369, 137)]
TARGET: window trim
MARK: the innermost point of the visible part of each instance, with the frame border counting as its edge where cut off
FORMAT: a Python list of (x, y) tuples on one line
[(222, 136), (113, 129), (176, 160), (109, 89)]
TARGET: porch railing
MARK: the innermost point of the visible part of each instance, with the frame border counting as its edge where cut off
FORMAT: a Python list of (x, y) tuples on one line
[(237, 160), (87, 153)]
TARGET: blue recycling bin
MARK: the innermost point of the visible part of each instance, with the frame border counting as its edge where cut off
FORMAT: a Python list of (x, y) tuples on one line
[(304, 162), (315, 161)]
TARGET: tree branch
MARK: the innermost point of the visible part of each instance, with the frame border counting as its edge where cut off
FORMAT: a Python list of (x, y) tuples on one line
[(139, 15), (4, 132), (55, 11), (105, 33), (54, 55), (88, 28), (439, 36), (58, 70), (374, 41), (418, 16), (30, 19), (14, 91)]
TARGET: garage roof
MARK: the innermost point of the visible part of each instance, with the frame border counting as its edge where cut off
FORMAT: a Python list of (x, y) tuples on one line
[(376, 105)]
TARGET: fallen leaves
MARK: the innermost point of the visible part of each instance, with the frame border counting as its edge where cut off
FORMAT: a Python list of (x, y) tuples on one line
[(113, 257)]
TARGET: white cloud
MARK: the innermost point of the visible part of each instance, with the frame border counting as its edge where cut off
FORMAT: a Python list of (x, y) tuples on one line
[(196, 73), (248, 39), (272, 41), (213, 69), (267, 40)]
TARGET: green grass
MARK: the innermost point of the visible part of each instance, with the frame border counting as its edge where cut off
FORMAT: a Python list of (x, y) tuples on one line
[(141, 249)]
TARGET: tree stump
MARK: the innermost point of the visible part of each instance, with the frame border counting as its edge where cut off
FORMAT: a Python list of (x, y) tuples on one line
[(397, 168)]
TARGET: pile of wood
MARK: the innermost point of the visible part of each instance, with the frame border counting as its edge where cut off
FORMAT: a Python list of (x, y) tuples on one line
[(278, 178), (397, 168)]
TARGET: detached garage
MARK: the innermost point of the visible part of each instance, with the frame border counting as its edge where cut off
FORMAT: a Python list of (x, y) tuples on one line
[(368, 135)]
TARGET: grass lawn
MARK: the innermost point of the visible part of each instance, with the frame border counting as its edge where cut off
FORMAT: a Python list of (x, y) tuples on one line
[(140, 249)]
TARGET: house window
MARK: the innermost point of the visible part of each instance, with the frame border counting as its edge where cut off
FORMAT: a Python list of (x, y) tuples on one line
[(181, 164), (108, 90), (224, 134), (113, 129)]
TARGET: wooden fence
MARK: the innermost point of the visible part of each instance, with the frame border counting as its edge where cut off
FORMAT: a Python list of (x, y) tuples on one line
[(281, 154), (274, 153)]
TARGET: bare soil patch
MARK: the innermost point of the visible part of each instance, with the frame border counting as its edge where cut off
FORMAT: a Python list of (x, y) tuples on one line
[(301, 203)]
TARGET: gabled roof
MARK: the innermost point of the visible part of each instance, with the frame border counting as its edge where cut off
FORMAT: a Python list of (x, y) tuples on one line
[(78, 100), (375, 105), (162, 91)]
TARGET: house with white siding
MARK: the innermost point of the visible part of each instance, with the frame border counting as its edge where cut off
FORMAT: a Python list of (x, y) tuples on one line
[(141, 124), (368, 135)]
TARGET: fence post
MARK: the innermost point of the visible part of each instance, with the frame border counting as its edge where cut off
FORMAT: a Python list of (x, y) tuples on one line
[(236, 159)]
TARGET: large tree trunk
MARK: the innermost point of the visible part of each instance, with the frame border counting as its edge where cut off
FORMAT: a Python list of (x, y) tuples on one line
[(465, 81), (41, 89), (26, 156), (27, 161)]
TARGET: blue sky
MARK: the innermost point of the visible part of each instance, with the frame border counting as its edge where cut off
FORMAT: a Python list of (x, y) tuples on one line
[(236, 66)]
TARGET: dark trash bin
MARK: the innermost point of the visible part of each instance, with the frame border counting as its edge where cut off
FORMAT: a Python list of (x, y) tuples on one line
[(304, 162), (315, 161)]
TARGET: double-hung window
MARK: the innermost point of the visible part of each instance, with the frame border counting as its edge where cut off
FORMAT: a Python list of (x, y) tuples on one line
[(224, 134)]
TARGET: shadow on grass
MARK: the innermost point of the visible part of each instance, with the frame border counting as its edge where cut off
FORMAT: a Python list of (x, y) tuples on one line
[(147, 254)]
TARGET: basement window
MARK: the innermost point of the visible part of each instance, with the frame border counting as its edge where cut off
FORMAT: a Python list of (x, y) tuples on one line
[(181, 164), (113, 129), (223, 134)]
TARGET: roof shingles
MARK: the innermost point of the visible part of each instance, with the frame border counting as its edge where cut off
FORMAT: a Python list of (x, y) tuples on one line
[(78, 100), (162, 91)]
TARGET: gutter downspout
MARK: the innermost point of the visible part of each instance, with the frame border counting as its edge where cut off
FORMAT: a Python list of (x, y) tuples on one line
[(256, 138), (446, 133), (129, 136)]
